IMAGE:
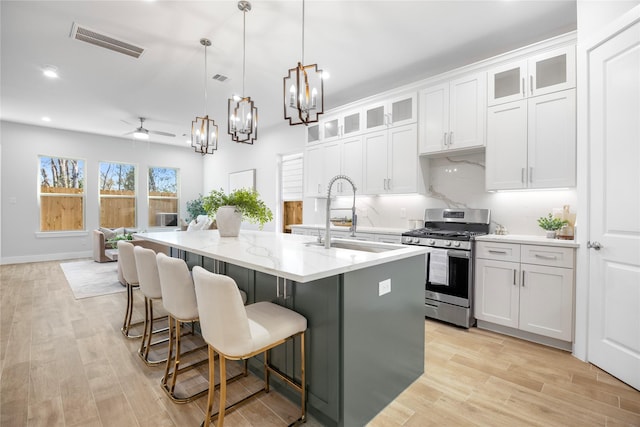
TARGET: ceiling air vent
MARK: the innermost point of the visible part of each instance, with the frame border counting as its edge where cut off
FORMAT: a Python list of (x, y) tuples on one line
[(95, 38), (220, 77)]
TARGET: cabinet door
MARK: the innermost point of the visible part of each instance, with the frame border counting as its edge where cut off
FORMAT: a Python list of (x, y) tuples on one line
[(434, 118), (330, 128), (506, 153), (402, 110), (552, 140), (507, 83), (552, 71), (375, 162), (546, 301), (402, 161), (352, 163), (467, 112), (332, 165), (313, 133), (351, 123), (375, 116), (497, 291), (313, 171)]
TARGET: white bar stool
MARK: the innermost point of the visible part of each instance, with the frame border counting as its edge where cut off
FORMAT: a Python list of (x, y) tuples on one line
[(126, 260), (149, 280), (236, 332)]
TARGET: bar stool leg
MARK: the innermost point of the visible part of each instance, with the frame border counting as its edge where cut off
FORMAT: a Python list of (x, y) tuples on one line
[(169, 353), (223, 389), (211, 394)]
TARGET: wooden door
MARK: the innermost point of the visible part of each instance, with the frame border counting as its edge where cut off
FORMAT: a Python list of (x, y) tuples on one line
[(614, 205)]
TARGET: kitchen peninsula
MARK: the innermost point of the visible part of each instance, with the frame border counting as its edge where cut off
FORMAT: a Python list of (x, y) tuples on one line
[(364, 303)]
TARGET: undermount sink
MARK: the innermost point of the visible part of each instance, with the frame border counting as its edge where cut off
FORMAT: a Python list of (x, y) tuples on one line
[(358, 245)]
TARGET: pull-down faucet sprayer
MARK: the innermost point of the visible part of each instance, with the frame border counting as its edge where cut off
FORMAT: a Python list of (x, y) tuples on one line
[(354, 217)]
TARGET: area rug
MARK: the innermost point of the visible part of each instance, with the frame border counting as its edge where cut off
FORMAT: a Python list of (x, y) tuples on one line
[(91, 279)]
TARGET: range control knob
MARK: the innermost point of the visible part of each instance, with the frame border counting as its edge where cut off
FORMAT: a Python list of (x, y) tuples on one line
[(456, 244), (447, 243), (415, 240), (432, 242)]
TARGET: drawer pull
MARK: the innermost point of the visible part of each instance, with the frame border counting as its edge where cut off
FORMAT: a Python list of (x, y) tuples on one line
[(514, 277), (523, 278), (546, 256), (493, 251)]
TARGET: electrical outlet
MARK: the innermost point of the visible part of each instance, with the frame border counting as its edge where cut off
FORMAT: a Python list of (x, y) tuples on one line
[(384, 287), (403, 212)]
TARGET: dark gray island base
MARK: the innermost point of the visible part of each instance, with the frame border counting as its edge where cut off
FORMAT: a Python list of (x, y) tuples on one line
[(363, 349)]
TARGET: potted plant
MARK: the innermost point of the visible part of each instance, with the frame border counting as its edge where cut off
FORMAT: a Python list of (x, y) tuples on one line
[(195, 208), (230, 209), (113, 242), (551, 224)]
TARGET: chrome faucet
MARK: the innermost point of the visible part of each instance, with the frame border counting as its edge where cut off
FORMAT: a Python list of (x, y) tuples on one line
[(354, 217)]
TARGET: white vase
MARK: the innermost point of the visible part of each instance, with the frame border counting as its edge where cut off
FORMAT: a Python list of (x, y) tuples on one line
[(229, 221), (551, 234)]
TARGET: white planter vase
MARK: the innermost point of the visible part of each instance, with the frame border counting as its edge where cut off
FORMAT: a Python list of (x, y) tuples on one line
[(228, 221), (551, 234)]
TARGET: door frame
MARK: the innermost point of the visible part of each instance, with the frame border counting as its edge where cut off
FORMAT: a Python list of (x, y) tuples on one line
[(580, 346)]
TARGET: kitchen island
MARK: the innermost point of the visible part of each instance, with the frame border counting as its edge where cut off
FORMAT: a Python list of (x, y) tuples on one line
[(363, 302)]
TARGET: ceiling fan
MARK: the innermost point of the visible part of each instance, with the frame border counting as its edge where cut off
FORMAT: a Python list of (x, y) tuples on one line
[(142, 133)]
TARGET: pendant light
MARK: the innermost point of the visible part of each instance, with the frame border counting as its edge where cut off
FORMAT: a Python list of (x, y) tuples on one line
[(204, 131), (242, 114), (303, 91)]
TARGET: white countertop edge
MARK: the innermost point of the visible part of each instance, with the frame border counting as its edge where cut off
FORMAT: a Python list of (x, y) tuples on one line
[(374, 258), (527, 239)]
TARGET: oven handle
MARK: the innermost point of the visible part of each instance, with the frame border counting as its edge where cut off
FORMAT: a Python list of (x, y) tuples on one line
[(458, 254)]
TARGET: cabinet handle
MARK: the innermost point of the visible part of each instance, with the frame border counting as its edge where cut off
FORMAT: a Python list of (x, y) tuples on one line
[(522, 175), (523, 278), (514, 276), (546, 256), (523, 94), (531, 84), (284, 287), (493, 251), (444, 139), (319, 185), (389, 184), (277, 287), (450, 138), (531, 174)]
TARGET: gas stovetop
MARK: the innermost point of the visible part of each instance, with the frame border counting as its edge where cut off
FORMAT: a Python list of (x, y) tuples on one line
[(449, 228)]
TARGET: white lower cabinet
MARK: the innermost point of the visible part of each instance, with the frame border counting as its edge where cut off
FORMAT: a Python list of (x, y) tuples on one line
[(526, 287)]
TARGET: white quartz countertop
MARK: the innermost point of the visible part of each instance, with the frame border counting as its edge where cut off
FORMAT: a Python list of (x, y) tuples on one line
[(359, 229), (527, 239), (279, 254)]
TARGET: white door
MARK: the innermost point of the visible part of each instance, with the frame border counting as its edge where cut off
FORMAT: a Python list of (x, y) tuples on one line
[(468, 110), (614, 205)]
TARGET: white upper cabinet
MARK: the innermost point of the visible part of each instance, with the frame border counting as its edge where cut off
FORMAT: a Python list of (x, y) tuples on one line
[(532, 143), (326, 160), (335, 126), (313, 133), (452, 115), (391, 162), (314, 171), (541, 74), (396, 111)]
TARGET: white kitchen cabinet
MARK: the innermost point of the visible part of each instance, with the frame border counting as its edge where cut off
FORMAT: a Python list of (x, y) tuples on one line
[(525, 287), (313, 133), (532, 143), (326, 160), (344, 124), (395, 111), (538, 75), (391, 161), (452, 115)]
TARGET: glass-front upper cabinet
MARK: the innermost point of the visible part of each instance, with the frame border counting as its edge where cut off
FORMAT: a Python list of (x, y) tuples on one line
[(313, 133), (396, 111), (541, 74)]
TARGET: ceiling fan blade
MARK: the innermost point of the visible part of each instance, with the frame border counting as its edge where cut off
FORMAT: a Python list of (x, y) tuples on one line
[(126, 122), (128, 133), (157, 132)]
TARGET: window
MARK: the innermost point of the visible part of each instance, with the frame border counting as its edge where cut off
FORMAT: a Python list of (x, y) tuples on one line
[(163, 197), (117, 195), (61, 194)]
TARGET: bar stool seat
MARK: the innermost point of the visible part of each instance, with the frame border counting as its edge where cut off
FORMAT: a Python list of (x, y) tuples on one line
[(236, 332)]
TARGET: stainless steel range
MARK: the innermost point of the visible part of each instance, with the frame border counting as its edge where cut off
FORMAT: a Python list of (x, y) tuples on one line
[(449, 235)]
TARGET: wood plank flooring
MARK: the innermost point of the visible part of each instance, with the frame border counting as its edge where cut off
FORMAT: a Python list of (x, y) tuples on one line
[(65, 363)]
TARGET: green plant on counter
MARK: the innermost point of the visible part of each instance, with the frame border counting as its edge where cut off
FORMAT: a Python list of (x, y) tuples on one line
[(113, 242), (195, 208), (550, 223), (247, 202)]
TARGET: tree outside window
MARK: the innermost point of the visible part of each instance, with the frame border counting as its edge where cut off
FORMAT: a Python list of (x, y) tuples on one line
[(163, 197), (61, 194), (117, 195)]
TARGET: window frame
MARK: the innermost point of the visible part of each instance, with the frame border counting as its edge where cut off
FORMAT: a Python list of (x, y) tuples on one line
[(82, 163), (176, 197), (107, 196)]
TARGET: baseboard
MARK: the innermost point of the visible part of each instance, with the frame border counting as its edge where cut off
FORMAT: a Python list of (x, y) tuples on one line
[(45, 257), (551, 342)]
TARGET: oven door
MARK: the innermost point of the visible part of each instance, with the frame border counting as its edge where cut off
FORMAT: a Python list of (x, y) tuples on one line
[(448, 273)]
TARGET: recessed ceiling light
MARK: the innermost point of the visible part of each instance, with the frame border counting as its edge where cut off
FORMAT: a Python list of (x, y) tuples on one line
[(46, 119), (50, 71)]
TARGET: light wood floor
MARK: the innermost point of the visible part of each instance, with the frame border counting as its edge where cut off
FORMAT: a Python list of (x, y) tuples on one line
[(64, 362)]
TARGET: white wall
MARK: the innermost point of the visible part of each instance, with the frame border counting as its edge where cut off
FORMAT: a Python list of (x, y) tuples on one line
[(21, 146)]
